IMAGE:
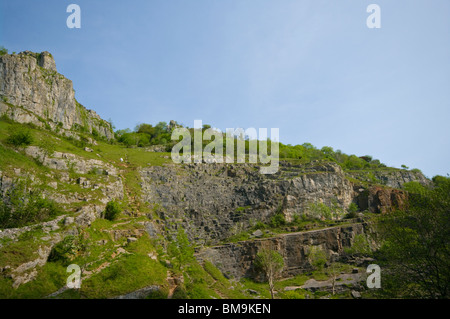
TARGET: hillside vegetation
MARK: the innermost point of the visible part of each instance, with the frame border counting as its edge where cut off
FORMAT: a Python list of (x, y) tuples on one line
[(73, 192)]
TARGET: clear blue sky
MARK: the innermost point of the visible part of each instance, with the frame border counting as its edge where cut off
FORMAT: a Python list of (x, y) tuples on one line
[(311, 68)]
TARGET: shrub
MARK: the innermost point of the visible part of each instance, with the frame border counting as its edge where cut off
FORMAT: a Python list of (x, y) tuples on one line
[(20, 137), (3, 51), (293, 294), (112, 210), (259, 225), (317, 257), (181, 249), (360, 246), (277, 220), (95, 133), (414, 187), (352, 210), (20, 208), (157, 294), (179, 293), (320, 210), (64, 251)]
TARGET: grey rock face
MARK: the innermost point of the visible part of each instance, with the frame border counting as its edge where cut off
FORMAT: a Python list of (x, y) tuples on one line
[(88, 214), (390, 177), (64, 161), (236, 259), (33, 91), (45, 60), (139, 294), (216, 201)]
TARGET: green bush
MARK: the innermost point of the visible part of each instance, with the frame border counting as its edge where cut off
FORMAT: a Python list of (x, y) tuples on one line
[(277, 220), (181, 249), (360, 246), (352, 210), (95, 133), (259, 225), (317, 257), (20, 137), (64, 251), (320, 210), (3, 51), (20, 208), (180, 293), (157, 294), (293, 294), (112, 210)]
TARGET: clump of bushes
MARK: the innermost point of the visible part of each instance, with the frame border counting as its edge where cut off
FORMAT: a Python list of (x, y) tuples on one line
[(19, 207), (20, 137), (277, 220), (360, 246), (112, 210)]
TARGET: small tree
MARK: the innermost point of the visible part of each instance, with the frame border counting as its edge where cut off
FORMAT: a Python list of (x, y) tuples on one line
[(271, 263), (415, 244), (3, 51), (181, 249), (334, 271), (352, 210), (112, 210), (317, 257)]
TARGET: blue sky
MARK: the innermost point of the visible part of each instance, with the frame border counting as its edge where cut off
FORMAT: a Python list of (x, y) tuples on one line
[(310, 68)]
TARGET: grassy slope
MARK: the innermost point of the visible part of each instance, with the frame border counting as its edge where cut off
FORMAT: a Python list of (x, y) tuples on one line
[(123, 273)]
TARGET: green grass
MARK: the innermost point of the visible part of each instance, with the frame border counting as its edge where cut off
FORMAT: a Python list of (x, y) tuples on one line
[(109, 153), (298, 280), (293, 294), (125, 273), (135, 156), (50, 278), (15, 253), (130, 273), (222, 284), (261, 288)]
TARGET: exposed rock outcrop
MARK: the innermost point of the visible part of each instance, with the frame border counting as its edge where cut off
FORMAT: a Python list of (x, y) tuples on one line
[(214, 201), (390, 177), (236, 259), (32, 91), (378, 199)]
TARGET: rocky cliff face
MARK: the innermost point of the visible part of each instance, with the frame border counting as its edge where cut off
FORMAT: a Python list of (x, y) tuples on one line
[(236, 260), (215, 201), (32, 91), (377, 199), (390, 177)]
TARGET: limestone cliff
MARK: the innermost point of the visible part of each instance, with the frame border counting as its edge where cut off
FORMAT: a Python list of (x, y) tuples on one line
[(32, 91), (390, 177), (236, 260)]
